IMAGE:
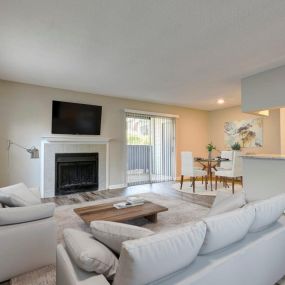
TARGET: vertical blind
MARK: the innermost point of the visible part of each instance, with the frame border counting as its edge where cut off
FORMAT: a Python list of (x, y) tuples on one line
[(150, 148)]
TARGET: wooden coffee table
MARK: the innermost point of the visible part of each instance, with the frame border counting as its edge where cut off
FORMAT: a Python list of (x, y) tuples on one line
[(107, 212)]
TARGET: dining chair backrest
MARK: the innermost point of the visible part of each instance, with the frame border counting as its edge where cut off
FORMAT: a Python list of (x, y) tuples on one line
[(187, 163), (227, 154), (237, 164)]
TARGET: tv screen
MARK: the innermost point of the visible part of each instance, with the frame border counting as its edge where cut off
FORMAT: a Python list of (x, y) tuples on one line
[(76, 119)]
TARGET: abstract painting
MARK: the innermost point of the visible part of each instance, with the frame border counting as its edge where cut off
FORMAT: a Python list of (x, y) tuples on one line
[(248, 133)]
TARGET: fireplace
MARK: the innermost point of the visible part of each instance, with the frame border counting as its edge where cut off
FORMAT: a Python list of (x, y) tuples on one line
[(76, 172)]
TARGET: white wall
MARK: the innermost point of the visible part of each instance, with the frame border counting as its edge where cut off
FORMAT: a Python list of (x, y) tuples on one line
[(265, 90), (282, 130), (25, 116)]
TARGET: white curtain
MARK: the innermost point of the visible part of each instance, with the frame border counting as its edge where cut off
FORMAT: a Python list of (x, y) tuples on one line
[(150, 148)]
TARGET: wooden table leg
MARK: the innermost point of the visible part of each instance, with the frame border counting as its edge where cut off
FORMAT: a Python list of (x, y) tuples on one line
[(152, 218), (210, 174), (181, 181)]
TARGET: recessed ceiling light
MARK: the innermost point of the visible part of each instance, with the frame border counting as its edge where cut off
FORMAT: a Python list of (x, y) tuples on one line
[(221, 101)]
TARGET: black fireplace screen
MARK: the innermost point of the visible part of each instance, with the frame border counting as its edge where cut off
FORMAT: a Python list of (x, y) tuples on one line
[(76, 172)]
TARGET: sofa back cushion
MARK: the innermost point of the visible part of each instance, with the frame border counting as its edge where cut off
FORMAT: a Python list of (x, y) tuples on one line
[(148, 259), (18, 195), (267, 212), (226, 201), (114, 234), (226, 229)]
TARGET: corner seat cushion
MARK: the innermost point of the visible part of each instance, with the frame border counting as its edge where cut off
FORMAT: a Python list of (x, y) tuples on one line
[(89, 254), (18, 195), (267, 212), (113, 234), (145, 260), (226, 229)]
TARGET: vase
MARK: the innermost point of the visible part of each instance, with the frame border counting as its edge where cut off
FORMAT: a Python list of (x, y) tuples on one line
[(209, 155)]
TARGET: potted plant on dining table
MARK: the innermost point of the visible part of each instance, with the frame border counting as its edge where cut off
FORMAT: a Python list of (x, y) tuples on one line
[(210, 147), (236, 146)]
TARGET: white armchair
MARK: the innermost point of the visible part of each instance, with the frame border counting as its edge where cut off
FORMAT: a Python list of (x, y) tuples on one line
[(233, 173), (188, 169), (27, 238)]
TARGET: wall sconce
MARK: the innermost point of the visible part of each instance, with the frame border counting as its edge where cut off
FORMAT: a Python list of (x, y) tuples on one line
[(33, 151)]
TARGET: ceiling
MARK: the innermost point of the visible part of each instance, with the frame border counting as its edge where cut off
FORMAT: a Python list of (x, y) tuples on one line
[(181, 52)]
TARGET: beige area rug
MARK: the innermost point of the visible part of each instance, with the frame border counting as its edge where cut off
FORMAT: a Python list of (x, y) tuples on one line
[(180, 212), (43, 276), (200, 188)]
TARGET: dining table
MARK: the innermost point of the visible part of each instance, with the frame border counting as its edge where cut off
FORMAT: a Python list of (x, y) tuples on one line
[(209, 164)]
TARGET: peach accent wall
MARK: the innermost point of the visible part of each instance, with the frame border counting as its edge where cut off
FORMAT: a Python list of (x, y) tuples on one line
[(271, 129)]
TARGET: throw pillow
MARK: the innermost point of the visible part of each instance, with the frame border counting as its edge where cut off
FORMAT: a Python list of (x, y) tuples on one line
[(18, 195), (114, 234), (89, 254)]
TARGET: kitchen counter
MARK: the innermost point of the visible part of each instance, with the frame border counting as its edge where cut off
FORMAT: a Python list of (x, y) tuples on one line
[(263, 175), (264, 156)]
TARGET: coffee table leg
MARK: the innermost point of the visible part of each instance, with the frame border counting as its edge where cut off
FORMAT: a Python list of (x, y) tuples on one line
[(152, 218)]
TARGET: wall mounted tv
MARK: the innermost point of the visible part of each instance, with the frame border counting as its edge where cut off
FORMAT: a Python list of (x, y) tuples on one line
[(76, 119)]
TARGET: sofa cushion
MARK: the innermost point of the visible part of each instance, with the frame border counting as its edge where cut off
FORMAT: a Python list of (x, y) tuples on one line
[(89, 254), (18, 195), (114, 234), (267, 212), (16, 215), (226, 201), (148, 259), (258, 259), (227, 228)]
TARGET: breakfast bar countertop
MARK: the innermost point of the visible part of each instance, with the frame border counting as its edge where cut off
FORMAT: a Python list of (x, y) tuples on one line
[(264, 156)]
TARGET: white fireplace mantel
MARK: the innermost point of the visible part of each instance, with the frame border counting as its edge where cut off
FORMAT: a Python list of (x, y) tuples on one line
[(56, 141), (75, 139)]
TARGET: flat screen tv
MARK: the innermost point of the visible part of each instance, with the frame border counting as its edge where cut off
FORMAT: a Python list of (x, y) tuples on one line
[(76, 119)]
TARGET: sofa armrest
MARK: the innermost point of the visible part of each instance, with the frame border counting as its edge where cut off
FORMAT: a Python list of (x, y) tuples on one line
[(17, 215), (67, 272), (26, 247)]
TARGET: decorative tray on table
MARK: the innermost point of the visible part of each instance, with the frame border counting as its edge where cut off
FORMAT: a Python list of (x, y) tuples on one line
[(131, 202)]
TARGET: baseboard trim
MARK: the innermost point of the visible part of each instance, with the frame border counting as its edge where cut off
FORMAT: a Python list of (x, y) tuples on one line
[(117, 186)]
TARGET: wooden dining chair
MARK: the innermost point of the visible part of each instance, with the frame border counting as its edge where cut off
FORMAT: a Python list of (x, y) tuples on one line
[(188, 169)]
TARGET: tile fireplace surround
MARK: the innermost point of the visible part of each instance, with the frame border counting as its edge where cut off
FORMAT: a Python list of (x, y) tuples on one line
[(71, 144)]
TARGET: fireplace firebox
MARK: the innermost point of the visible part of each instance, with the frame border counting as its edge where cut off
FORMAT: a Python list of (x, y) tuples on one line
[(76, 172)]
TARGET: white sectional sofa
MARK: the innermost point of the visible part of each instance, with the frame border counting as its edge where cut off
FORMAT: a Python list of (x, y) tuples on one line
[(258, 258)]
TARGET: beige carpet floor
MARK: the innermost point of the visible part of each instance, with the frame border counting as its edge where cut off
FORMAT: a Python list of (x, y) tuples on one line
[(180, 212)]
